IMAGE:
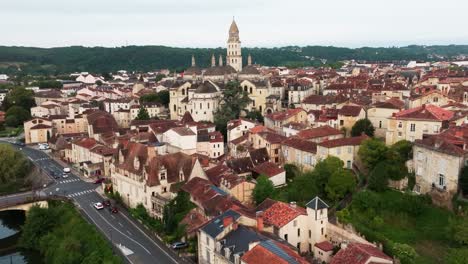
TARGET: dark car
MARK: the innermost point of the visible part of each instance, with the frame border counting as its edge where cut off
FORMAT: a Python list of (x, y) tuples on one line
[(100, 180), (54, 175), (106, 203), (113, 210), (179, 245)]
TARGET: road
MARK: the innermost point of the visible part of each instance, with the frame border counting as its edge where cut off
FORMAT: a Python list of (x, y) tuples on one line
[(127, 234)]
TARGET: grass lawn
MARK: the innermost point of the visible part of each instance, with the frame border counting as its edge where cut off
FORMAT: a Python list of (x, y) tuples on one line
[(426, 229)]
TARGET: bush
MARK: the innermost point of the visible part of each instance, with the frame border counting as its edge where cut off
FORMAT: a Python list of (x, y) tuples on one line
[(405, 253)]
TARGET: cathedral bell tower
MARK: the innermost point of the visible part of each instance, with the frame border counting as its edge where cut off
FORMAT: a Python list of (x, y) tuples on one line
[(234, 56)]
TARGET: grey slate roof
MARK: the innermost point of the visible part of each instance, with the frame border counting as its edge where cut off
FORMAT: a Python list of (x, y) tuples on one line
[(317, 204), (215, 227), (238, 240)]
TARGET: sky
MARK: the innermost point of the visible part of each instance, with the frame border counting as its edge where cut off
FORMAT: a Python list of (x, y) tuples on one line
[(205, 23)]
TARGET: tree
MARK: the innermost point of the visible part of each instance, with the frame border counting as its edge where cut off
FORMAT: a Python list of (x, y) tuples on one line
[(263, 189), (404, 148), (378, 177), (16, 115), (19, 96), (99, 82), (234, 101), (362, 126), (291, 170), (303, 188), (13, 164), (161, 97), (464, 180), (142, 114), (339, 184), (255, 115), (159, 77), (372, 151), (460, 231), (456, 256), (324, 169), (404, 252)]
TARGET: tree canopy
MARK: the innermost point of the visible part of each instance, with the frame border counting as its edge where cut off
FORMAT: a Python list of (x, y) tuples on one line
[(16, 115), (263, 189), (142, 114), (371, 152), (13, 164), (161, 97), (19, 96), (363, 126), (255, 115)]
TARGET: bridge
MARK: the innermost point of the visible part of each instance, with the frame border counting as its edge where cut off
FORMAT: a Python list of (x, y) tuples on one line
[(25, 206), (24, 201)]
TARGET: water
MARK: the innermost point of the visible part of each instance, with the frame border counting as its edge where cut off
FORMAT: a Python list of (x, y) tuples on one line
[(10, 231)]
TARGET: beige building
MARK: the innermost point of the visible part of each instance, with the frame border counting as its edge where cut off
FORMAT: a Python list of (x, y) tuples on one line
[(434, 97), (413, 123), (438, 160), (178, 102), (271, 141), (257, 92), (379, 113), (348, 115), (300, 152), (238, 127), (277, 120), (346, 149), (37, 130)]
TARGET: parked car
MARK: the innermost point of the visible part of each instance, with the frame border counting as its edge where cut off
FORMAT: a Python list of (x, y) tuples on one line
[(100, 180), (179, 245), (106, 203), (65, 175), (44, 146), (113, 210), (98, 206), (66, 170), (54, 175)]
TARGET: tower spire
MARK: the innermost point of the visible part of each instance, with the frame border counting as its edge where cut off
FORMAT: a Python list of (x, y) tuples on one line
[(193, 61), (249, 60), (213, 60), (220, 60)]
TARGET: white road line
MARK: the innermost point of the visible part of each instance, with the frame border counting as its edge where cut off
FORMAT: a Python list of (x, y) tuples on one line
[(124, 234), (120, 224), (150, 239), (102, 230), (129, 232)]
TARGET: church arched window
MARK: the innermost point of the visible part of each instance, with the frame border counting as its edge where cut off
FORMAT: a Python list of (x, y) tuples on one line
[(251, 90), (175, 108), (183, 91)]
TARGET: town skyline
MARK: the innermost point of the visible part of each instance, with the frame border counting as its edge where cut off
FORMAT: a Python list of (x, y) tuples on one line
[(353, 25)]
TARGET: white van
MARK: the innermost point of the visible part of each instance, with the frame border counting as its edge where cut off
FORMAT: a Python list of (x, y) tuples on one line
[(66, 170)]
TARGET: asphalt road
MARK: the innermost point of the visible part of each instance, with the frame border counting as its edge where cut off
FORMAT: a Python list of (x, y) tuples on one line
[(127, 234)]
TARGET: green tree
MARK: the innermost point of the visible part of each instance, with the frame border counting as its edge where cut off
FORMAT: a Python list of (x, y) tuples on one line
[(460, 231), (263, 189), (19, 96), (142, 114), (456, 256), (404, 148), (363, 126), (405, 253), (234, 101), (303, 188), (159, 77), (339, 184), (378, 177), (464, 180), (16, 115), (161, 97), (291, 170), (255, 115), (13, 164), (324, 169), (372, 151)]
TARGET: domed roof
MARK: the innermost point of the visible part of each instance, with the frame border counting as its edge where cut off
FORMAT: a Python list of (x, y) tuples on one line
[(206, 87)]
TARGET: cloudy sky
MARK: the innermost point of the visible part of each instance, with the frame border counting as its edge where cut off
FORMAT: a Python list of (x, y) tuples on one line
[(204, 23)]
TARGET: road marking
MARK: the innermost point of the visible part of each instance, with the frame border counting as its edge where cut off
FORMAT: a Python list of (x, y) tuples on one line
[(129, 232), (136, 242), (150, 239), (120, 224), (105, 234)]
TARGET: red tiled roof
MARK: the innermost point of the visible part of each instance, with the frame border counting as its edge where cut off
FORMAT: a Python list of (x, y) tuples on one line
[(301, 144), (425, 112), (318, 132), (392, 103), (260, 255), (352, 141), (40, 126), (278, 213), (324, 245), (272, 138), (87, 143), (268, 169), (283, 115), (350, 110), (357, 253)]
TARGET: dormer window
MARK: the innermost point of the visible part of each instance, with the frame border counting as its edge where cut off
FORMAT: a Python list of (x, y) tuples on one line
[(136, 163), (162, 175)]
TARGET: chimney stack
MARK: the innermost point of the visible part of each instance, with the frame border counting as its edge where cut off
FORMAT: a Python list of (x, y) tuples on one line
[(227, 221), (259, 216)]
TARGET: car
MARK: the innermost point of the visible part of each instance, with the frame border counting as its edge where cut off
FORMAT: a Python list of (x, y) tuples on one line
[(54, 175), (106, 203), (100, 180), (66, 170), (98, 206), (64, 175), (19, 143), (113, 210), (179, 245), (44, 146)]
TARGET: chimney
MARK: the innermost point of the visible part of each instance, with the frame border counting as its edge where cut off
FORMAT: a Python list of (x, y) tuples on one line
[(227, 221), (259, 216), (292, 204)]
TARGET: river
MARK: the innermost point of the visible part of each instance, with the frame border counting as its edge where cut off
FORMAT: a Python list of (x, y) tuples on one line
[(10, 231)]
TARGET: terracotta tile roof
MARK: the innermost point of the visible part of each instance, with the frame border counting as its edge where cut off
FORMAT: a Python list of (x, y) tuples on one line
[(240, 165), (87, 143), (325, 99), (283, 115), (183, 131), (350, 110), (272, 137), (240, 139), (102, 122), (425, 112), (352, 141), (130, 153), (357, 253), (318, 132), (193, 221), (392, 103), (324, 245), (178, 167), (301, 144), (278, 213), (268, 169), (40, 126), (259, 156), (270, 251)]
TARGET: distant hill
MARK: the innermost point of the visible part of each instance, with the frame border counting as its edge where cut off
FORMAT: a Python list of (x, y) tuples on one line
[(146, 58)]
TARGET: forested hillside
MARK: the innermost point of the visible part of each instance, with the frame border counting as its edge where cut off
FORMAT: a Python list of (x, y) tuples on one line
[(145, 58)]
